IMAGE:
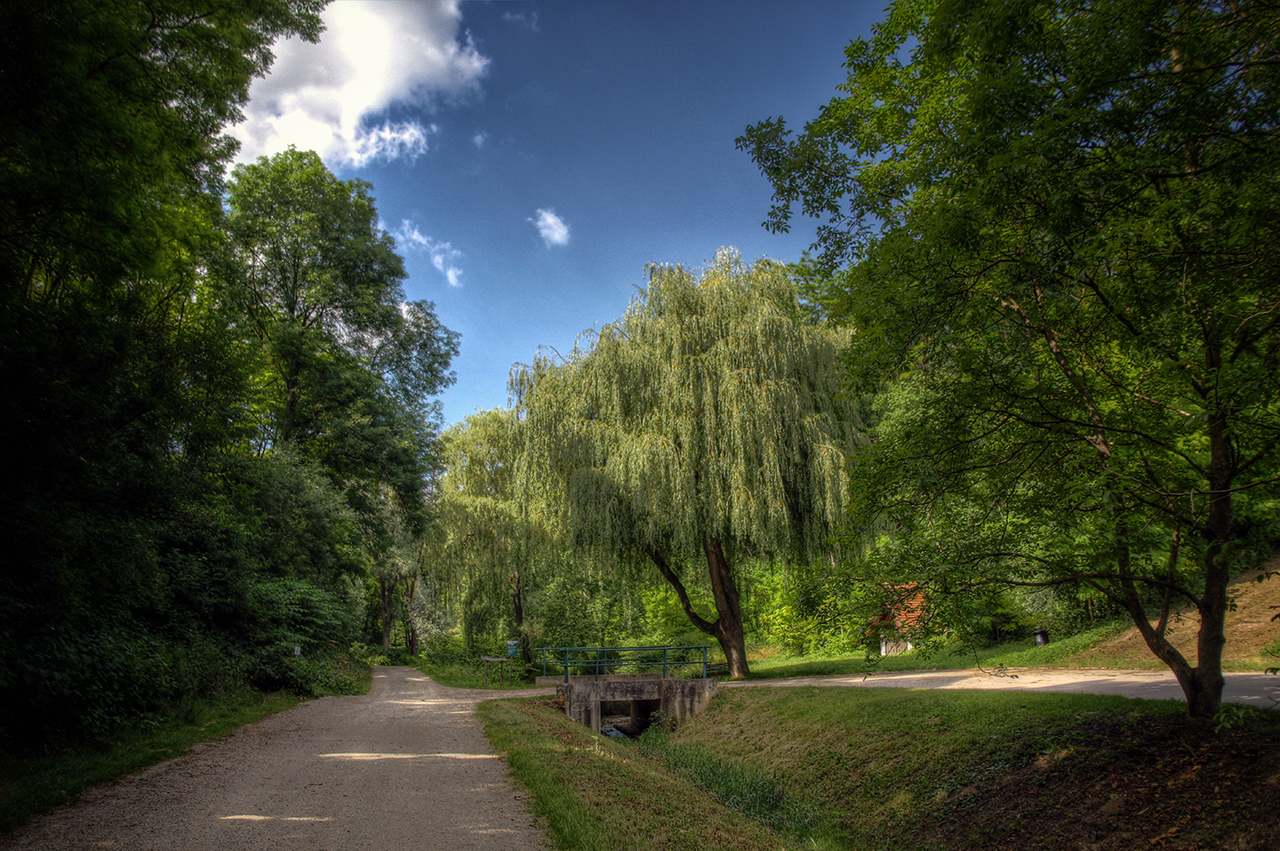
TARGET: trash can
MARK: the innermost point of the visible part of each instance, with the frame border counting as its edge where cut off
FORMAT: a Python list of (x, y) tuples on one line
[(1042, 637)]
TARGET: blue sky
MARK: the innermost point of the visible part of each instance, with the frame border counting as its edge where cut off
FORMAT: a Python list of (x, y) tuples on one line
[(532, 157)]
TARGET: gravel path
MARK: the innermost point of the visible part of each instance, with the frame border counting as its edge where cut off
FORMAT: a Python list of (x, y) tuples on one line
[(1252, 689), (404, 767), (407, 767)]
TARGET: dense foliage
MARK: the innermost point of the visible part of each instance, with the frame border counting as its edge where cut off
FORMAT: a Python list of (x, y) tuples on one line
[(704, 427), (196, 464), (1053, 227)]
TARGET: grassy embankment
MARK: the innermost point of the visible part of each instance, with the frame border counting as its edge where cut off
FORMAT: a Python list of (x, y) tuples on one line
[(896, 769), (1013, 654)]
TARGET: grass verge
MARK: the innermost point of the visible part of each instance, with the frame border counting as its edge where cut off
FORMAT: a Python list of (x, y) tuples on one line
[(34, 784), (460, 674), (1023, 653), (893, 769), (595, 794)]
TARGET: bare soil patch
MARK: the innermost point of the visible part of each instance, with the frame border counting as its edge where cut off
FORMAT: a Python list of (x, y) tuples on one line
[(1249, 629)]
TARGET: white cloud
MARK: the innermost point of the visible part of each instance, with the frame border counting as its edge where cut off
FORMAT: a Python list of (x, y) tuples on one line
[(443, 255), (553, 229), (334, 97), (530, 20), (479, 139)]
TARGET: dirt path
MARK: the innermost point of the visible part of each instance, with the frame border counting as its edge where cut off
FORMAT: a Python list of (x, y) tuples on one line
[(405, 766), (1258, 690)]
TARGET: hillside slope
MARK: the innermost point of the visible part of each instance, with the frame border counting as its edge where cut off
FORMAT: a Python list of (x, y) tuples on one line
[(1250, 630), (968, 770)]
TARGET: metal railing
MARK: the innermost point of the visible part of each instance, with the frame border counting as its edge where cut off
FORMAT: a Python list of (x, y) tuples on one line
[(602, 660)]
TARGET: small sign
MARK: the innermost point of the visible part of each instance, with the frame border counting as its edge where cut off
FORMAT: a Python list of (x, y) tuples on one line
[(513, 647), (297, 651)]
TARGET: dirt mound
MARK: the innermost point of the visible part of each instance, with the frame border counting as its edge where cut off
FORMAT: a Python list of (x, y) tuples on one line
[(1250, 630)]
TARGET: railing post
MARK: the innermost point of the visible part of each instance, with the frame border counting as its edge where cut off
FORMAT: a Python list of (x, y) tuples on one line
[(598, 658)]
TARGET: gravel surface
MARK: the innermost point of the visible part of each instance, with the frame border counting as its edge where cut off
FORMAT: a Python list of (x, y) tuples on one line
[(1257, 690), (407, 767), (404, 767)]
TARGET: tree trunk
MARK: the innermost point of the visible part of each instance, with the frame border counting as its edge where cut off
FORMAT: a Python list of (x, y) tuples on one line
[(1203, 682), (727, 629), (386, 600), (411, 628), (517, 606), (1204, 697)]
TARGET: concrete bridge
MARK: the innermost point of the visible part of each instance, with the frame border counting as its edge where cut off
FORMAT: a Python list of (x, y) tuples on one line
[(645, 694)]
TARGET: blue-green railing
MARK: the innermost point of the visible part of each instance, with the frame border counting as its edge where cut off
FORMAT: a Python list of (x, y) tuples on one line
[(600, 660)]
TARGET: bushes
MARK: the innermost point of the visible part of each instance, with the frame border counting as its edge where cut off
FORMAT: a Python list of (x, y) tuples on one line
[(196, 596), (291, 613), (81, 679)]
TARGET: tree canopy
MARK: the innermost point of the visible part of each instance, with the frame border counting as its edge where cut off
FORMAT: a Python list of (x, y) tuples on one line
[(704, 426), (170, 533), (113, 137), (350, 364), (1052, 226), (486, 539)]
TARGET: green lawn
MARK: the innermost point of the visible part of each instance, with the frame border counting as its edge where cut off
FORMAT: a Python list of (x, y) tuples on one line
[(1013, 654)]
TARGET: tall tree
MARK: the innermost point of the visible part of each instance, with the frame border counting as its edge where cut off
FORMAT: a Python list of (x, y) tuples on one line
[(111, 157), (393, 563), (351, 364), (1061, 218), (487, 541), (705, 425), (112, 138)]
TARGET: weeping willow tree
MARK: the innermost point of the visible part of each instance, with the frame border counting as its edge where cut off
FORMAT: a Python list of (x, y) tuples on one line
[(486, 542), (705, 426)]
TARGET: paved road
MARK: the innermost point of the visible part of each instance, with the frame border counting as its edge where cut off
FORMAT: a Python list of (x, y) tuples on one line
[(404, 767), (1252, 689)]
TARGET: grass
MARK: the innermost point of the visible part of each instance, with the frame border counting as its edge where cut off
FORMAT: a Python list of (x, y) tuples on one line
[(593, 793), (749, 790), (878, 762), (1023, 653), (469, 674), (33, 785), (893, 769)]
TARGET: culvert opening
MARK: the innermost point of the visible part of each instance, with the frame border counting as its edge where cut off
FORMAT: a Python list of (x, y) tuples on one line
[(629, 718)]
